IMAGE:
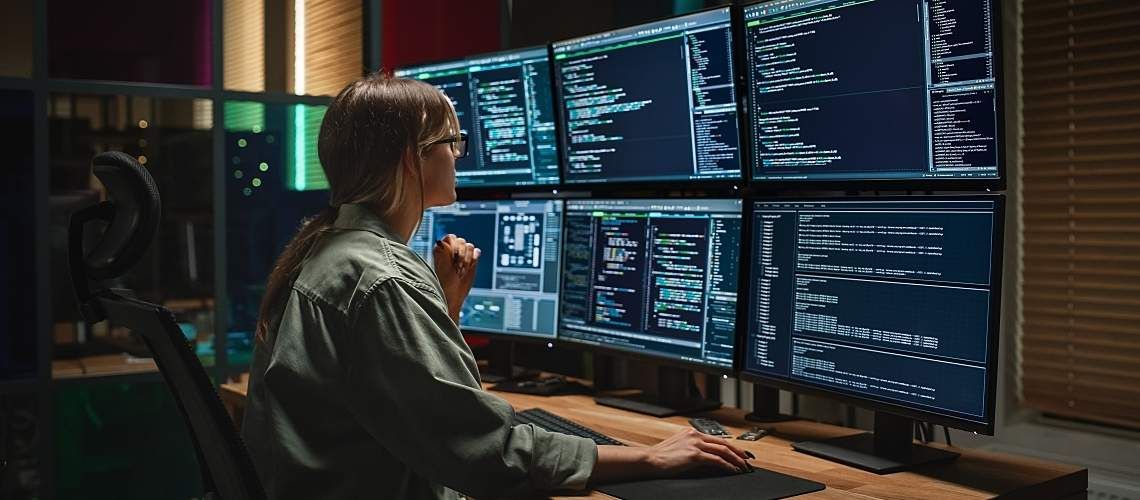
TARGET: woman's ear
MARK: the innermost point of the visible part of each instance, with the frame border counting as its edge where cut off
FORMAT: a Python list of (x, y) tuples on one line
[(410, 162)]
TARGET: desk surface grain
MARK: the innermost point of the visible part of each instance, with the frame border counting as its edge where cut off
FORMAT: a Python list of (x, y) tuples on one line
[(976, 474)]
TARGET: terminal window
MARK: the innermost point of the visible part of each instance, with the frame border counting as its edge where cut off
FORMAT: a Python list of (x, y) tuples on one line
[(650, 102), (887, 300), (653, 276), (872, 89), (516, 281), (505, 105)]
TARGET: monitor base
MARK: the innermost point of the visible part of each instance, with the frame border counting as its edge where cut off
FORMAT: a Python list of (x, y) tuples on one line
[(651, 405), (891, 448)]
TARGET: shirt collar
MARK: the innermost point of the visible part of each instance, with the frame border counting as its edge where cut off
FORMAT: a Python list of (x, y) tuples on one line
[(359, 217)]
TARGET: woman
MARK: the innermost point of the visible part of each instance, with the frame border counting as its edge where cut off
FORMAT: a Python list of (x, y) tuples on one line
[(361, 384)]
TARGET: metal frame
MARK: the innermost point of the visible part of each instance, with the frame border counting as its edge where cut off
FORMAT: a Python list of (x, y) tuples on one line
[(41, 385)]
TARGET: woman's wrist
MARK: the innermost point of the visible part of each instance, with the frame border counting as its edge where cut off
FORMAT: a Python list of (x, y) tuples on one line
[(616, 463)]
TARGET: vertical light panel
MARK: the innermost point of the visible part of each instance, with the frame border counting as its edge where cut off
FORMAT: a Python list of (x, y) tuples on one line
[(299, 47), (299, 89)]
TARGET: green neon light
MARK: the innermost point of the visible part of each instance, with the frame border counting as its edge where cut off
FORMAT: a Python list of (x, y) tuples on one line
[(753, 23), (299, 148)]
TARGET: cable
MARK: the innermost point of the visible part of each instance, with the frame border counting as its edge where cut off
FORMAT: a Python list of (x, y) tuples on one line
[(946, 430)]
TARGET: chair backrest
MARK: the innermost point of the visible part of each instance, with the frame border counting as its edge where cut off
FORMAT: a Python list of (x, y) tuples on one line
[(131, 216)]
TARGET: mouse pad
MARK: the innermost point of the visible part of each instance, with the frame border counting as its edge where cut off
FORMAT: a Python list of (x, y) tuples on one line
[(758, 484)]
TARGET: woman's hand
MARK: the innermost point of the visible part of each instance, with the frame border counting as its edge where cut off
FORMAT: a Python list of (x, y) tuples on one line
[(455, 261), (689, 448), (685, 450)]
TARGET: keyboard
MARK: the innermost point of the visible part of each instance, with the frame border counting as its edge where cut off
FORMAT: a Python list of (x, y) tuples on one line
[(554, 423)]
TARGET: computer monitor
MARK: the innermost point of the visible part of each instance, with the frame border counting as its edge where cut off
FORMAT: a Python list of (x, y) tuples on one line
[(888, 303), (883, 92), (504, 104), (652, 102), (653, 278), (515, 293)]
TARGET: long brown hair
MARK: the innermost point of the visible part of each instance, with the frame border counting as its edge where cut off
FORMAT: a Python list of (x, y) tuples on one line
[(367, 131)]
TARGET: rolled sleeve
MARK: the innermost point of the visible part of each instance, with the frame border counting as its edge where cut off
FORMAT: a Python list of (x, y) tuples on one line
[(414, 387)]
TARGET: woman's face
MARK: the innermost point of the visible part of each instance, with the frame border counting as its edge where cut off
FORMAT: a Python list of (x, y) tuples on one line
[(439, 176)]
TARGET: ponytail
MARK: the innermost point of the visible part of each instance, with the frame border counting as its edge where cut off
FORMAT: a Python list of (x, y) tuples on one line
[(288, 265)]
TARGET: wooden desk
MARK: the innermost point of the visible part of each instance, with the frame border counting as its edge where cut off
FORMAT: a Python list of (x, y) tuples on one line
[(976, 474)]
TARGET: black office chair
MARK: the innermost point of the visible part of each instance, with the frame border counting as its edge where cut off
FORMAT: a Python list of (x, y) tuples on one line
[(130, 218)]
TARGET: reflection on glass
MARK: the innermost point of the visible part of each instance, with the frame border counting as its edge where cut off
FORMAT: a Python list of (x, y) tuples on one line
[(273, 181), (21, 432), (18, 351), (300, 46), (128, 40), (16, 37), (172, 139)]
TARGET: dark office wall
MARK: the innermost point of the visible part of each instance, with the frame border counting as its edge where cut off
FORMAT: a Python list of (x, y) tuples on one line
[(18, 332), (123, 40), (429, 30), (536, 22)]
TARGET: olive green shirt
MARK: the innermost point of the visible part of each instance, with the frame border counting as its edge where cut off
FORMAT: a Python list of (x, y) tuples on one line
[(366, 389)]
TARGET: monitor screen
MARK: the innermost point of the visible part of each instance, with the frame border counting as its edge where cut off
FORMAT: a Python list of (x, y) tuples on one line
[(887, 301), (866, 90), (504, 103), (654, 102), (516, 280), (656, 277)]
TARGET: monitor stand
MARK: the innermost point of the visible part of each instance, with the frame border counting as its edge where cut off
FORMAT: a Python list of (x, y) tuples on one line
[(766, 406), (501, 364), (507, 377), (676, 395), (891, 448)]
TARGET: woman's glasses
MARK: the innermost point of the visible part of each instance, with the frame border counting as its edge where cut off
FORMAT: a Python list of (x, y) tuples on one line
[(457, 143)]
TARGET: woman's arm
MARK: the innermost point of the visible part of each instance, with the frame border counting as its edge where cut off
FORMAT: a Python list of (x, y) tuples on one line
[(412, 384)]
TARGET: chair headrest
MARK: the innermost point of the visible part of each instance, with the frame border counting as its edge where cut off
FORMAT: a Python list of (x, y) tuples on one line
[(135, 211)]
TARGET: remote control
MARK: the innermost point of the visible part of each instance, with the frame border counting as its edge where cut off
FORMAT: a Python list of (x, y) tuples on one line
[(754, 434), (708, 426)]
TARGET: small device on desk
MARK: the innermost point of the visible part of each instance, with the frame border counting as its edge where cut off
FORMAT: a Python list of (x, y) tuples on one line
[(754, 434), (708, 426)]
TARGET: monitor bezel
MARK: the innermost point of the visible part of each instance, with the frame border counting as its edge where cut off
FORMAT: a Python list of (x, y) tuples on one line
[(986, 183), (641, 355), (726, 184), (551, 340), (992, 359), (478, 190)]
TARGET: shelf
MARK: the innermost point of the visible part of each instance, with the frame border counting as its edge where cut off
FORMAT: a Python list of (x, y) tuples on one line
[(101, 366)]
